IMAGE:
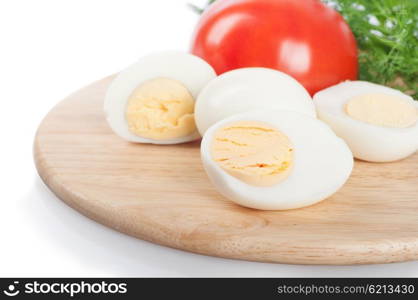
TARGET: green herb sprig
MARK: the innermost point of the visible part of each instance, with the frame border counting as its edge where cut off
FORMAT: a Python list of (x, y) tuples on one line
[(200, 9), (387, 37)]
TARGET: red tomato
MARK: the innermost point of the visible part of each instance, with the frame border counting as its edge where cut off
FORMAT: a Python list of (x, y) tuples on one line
[(303, 38)]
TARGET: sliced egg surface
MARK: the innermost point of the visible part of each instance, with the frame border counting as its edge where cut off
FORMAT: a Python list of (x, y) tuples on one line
[(153, 101), (248, 89), (379, 124), (275, 160)]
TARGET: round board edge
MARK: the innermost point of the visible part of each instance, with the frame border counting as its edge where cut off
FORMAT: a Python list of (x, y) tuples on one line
[(406, 250)]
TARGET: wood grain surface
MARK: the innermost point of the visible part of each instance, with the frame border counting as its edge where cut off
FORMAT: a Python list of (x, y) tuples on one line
[(162, 194)]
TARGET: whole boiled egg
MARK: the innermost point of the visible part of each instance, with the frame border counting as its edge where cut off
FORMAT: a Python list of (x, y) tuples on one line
[(153, 100), (380, 124), (275, 160), (247, 89)]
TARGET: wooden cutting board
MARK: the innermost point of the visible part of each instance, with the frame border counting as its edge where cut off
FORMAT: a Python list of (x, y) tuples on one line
[(162, 194)]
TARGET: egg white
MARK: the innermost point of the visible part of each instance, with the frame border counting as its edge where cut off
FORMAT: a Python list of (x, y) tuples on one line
[(193, 72), (248, 89), (322, 163), (367, 141)]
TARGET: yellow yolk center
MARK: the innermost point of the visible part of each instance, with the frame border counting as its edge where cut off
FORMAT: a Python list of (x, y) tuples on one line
[(382, 110), (161, 109), (253, 152)]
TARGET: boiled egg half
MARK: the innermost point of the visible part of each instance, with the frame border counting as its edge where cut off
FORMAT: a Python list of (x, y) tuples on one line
[(380, 124), (250, 89), (275, 160), (153, 100)]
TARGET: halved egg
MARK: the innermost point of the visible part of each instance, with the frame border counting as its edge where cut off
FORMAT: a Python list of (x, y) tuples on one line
[(275, 160), (247, 89), (379, 124), (153, 100)]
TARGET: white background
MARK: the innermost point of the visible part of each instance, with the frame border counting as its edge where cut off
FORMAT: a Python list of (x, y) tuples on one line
[(49, 49)]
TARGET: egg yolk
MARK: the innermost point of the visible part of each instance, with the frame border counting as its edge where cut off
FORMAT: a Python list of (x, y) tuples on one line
[(161, 109), (382, 110), (253, 152)]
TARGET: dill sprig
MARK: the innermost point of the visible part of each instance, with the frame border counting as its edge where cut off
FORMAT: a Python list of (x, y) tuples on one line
[(387, 37), (201, 9)]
